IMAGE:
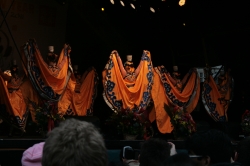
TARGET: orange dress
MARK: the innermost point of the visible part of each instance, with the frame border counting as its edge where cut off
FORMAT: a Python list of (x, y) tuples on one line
[(216, 97), (79, 96), (15, 95), (50, 83), (127, 94), (164, 91)]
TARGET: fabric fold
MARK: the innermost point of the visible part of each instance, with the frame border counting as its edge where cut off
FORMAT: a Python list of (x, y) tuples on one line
[(164, 91), (216, 97), (50, 85), (16, 104), (79, 102), (121, 94)]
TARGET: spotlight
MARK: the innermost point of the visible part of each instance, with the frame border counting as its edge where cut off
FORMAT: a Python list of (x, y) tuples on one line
[(182, 2), (132, 5), (112, 1), (152, 9), (122, 3), (102, 9)]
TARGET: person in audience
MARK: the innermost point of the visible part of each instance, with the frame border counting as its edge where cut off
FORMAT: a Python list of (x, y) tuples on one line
[(210, 147), (74, 143), (227, 164), (129, 156), (154, 152), (243, 152), (33, 155), (172, 149), (181, 159)]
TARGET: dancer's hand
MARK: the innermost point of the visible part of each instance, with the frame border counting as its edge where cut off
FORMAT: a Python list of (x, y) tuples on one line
[(195, 69), (192, 70), (146, 52), (107, 66), (115, 52), (69, 49), (65, 46)]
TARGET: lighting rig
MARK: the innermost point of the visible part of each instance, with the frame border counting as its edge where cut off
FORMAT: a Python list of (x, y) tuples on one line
[(153, 6)]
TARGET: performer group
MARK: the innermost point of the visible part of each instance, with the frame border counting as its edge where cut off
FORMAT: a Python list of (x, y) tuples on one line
[(145, 90)]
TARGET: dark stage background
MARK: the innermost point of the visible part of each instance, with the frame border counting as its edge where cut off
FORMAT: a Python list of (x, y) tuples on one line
[(200, 32), (215, 33)]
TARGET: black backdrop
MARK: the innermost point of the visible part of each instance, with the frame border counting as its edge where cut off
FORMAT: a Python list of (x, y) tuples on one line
[(215, 32)]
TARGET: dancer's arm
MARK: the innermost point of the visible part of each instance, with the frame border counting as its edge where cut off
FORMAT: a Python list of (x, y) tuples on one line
[(65, 56), (5, 76), (123, 71), (184, 80), (138, 69)]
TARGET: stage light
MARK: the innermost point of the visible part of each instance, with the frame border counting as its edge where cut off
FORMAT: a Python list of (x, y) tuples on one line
[(122, 3), (182, 2), (112, 1), (102, 9), (152, 9), (184, 24), (132, 5)]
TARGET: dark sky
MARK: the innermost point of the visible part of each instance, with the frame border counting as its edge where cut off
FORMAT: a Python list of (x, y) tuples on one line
[(216, 32)]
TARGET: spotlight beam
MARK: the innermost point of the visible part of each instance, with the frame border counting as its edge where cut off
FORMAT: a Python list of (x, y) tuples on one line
[(122, 3)]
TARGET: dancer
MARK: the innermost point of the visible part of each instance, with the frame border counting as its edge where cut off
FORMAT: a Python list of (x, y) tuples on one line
[(173, 92), (80, 94), (127, 88), (16, 92), (49, 79), (217, 94)]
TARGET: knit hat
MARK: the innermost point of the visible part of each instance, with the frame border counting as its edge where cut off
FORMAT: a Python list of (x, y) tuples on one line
[(33, 155)]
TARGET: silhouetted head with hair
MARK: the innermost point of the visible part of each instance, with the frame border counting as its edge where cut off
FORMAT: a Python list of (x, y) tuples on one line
[(210, 147), (76, 143), (243, 151), (154, 151)]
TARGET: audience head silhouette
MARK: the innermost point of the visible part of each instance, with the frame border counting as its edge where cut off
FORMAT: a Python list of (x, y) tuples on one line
[(210, 147), (154, 151), (243, 151), (74, 143)]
